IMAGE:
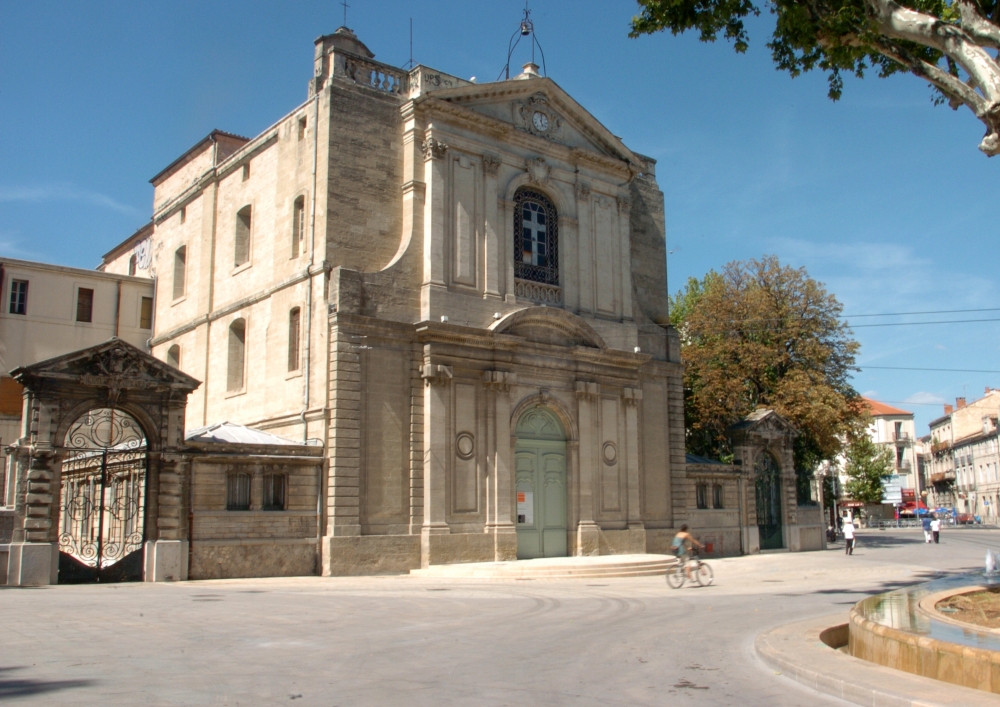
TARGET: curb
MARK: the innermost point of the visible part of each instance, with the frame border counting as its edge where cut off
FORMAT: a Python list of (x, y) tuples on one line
[(797, 652)]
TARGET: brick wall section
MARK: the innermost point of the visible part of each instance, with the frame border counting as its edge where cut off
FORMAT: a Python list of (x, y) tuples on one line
[(416, 440), (364, 217), (344, 435)]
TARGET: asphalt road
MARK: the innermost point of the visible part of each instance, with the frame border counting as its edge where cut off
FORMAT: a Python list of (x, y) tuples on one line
[(415, 642)]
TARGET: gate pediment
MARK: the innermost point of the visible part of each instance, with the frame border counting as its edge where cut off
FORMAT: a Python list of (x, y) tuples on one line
[(763, 423), (115, 366)]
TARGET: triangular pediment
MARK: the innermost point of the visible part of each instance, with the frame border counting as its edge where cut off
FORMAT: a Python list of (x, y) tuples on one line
[(115, 364), (539, 107)]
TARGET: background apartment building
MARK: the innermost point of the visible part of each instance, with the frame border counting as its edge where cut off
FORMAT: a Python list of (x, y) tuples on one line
[(964, 463), (49, 310)]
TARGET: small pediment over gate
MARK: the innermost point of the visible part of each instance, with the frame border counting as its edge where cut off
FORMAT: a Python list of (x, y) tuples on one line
[(763, 423), (115, 367)]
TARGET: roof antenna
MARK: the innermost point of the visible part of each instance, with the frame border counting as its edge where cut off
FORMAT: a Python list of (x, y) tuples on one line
[(409, 64), (527, 27)]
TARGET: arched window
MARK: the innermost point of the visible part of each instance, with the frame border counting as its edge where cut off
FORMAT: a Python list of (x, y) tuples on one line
[(132, 262), (180, 271), (237, 354), (294, 329), (241, 248), (174, 356), (536, 238), (298, 224)]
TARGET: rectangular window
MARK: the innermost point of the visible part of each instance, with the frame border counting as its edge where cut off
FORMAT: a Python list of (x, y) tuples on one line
[(701, 495), (302, 128), (238, 492), (19, 297), (294, 328), (275, 487), (246, 171), (146, 313), (717, 496), (84, 304)]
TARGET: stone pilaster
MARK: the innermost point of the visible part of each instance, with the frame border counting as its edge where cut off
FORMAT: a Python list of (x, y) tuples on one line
[(631, 398), (494, 242), (437, 391), (501, 486), (587, 531)]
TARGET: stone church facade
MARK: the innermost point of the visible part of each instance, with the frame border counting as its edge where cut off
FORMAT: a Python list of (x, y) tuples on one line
[(460, 290)]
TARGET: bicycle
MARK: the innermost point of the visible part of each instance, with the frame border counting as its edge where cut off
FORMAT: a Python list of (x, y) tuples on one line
[(701, 572)]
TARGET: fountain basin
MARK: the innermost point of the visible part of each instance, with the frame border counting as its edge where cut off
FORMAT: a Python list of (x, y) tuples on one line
[(902, 630)]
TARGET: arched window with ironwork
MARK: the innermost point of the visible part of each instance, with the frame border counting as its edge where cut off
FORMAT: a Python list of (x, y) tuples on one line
[(536, 238)]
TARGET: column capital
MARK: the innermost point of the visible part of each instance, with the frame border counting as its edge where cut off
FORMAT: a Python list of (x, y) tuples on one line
[(499, 381), (631, 396), (587, 390), (433, 148), (491, 163), (436, 374)]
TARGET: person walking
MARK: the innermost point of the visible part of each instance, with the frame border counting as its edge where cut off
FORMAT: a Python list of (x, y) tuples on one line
[(849, 537), (926, 523), (936, 529)]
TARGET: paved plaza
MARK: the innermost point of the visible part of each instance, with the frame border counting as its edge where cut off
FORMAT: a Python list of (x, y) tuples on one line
[(401, 640)]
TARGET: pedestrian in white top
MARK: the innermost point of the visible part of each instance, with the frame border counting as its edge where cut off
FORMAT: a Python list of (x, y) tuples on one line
[(936, 529), (849, 537)]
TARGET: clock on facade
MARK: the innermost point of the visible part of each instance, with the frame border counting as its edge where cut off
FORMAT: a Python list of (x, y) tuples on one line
[(540, 121)]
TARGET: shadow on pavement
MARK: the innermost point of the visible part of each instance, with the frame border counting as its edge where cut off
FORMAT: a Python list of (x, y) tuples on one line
[(15, 687), (915, 578)]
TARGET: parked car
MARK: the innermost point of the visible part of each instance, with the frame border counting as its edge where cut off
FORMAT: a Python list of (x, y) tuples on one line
[(966, 519)]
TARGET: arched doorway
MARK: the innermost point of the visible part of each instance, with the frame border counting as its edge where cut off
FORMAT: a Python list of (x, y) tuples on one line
[(102, 502), (540, 463), (768, 487)]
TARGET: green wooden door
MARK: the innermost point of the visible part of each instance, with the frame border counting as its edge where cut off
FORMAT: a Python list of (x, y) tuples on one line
[(540, 487)]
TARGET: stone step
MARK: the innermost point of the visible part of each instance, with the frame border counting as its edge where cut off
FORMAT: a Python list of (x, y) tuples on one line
[(602, 566)]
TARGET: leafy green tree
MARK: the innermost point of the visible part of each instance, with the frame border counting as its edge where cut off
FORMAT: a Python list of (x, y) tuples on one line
[(759, 334), (866, 464), (947, 44)]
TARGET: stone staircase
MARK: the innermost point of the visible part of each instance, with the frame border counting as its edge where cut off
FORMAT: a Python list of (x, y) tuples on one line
[(602, 566)]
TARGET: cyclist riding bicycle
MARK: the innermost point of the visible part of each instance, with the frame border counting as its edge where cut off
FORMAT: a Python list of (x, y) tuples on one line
[(682, 545)]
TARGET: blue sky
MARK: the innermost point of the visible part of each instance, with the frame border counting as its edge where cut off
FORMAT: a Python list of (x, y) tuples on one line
[(881, 196)]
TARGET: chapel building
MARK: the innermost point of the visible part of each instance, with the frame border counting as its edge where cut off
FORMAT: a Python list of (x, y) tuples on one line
[(459, 289)]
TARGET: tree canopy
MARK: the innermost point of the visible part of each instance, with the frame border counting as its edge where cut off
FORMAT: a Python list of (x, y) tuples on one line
[(866, 465), (759, 334), (944, 43)]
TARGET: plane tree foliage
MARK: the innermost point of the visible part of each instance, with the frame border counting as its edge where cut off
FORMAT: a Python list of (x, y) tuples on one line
[(951, 45), (761, 334)]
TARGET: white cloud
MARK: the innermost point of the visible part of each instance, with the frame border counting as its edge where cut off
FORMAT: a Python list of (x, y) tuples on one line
[(63, 192), (873, 394), (925, 398), (11, 247)]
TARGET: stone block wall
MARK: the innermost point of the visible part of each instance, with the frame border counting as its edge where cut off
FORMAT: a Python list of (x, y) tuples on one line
[(255, 542)]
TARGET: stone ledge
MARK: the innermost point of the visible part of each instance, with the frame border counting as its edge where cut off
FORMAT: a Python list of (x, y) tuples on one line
[(797, 651)]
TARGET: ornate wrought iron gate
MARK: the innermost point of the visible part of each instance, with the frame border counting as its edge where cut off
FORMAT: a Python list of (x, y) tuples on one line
[(768, 486), (103, 499)]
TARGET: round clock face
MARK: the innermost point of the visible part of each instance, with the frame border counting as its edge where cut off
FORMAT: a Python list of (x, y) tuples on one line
[(540, 121)]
